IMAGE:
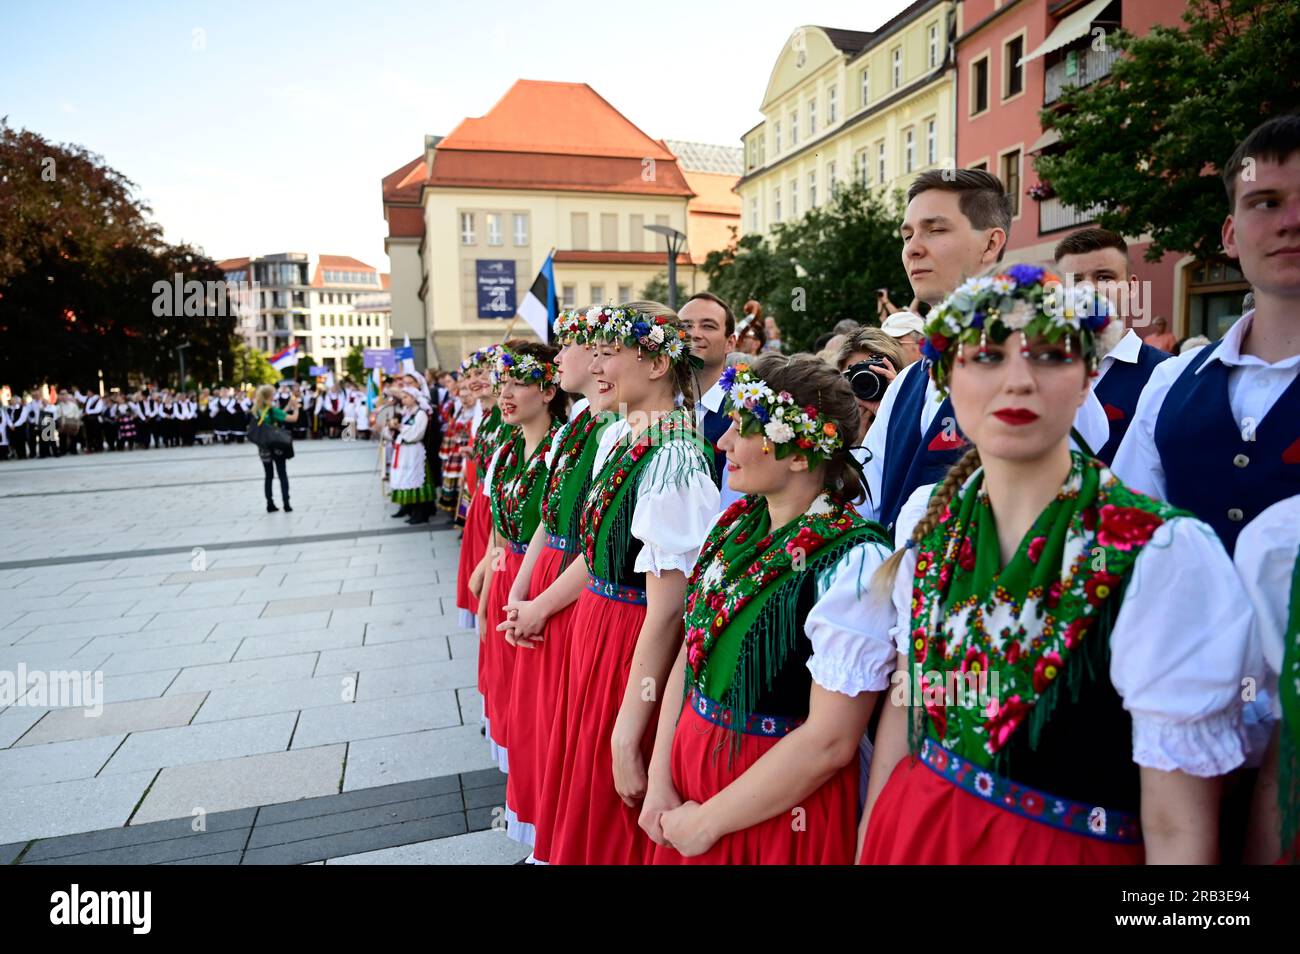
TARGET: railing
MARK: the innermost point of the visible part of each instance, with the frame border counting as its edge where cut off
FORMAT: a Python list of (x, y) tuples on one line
[(1089, 66), (1054, 214)]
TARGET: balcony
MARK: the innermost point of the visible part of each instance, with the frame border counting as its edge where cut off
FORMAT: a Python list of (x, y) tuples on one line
[(1080, 67), (1054, 214)]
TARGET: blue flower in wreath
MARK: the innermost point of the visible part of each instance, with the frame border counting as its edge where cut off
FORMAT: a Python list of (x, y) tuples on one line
[(507, 359), (929, 351), (1025, 274), (640, 329), (728, 376), (977, 320), (760, 412)]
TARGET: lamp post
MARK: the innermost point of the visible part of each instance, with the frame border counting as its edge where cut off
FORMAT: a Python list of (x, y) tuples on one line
[(675, 241), (180, 353)]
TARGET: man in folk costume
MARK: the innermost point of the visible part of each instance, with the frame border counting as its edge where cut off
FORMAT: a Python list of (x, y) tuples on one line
[(712, 326), (1072, 692), (956, 225), (785, 651), (534, 408), (93, 419)]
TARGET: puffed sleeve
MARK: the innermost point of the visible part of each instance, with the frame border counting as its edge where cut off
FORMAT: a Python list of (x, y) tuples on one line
[(676, 502), (554, 449), (851, 623), (1266, 556), (486, 483), (1180, 648)]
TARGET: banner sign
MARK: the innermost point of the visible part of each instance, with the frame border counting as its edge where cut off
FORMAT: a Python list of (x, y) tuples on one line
[(496, 288)]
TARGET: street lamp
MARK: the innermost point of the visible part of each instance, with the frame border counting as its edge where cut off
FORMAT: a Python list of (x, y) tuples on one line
[(180, 353), (676, 240)]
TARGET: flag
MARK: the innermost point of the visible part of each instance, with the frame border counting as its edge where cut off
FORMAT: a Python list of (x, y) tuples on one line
[(538, 307), (406, 354), (372, 388), (285, 358)]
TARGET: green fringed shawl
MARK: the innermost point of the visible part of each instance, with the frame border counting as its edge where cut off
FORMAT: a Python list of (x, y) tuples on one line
[(1022, 632), (517, 486), (571, 475)]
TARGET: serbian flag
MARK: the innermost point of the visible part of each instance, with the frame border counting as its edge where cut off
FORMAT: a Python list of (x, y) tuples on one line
[(285, 358), (538, 308)]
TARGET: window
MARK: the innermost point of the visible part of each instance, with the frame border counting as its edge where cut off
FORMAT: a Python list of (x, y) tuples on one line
[(776, 203), (597, 294), (609, 231), (794, 128), (880, 162), (467, 228), (794, 198), (812, 118), (979, 86), (862, 167), (812, 190), (931, 143), (832, 104), (521, 229), (494, 228), (637, 235), (578, 227), (1011, 179), (864, 86), (753, 213), (896, 66), (624, 294), (933, 40), (1012, 68), (569, 295), (909, 149), (831, 183), (776, 135)]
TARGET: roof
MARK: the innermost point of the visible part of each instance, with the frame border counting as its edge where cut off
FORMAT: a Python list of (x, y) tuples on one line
[(713, 193), (403, 185), (707, 157), (545, 172), (536, 116), (617, 258), (901, 19), (385, 280), (847, 41), (337, 262), (232, 264)]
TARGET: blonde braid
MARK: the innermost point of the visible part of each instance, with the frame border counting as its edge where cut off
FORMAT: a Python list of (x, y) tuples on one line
[(882, 581)]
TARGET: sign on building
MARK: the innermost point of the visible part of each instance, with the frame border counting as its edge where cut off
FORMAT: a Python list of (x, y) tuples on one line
[(382, 358), (496, 288)]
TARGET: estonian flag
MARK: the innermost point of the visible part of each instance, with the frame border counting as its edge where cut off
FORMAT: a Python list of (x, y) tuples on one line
[(285, 358), (538, 307)]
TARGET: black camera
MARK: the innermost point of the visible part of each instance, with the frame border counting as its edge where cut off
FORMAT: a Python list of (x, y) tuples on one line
[(867, 384)]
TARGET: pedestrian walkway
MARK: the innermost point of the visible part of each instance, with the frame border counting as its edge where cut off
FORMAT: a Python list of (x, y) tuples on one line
[(248, 661)]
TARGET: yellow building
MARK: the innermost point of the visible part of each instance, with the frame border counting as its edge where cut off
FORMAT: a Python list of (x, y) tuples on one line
[(550, 166), (873, 106)]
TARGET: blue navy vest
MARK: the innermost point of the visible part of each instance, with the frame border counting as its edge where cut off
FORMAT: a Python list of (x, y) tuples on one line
[(1118, 393), (913, 459), (1221, 469), (714, 425)]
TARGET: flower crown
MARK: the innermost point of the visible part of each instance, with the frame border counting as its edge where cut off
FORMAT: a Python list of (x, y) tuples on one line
[(571, 327), (778, 418), (482, 358), (654, 333), (1024, 298), (523, 368)]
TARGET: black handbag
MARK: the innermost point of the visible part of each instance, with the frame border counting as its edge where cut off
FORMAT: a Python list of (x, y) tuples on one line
[(269, 437)]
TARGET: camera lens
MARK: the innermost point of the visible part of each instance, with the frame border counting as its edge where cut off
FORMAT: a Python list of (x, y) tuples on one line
[(866, 383)]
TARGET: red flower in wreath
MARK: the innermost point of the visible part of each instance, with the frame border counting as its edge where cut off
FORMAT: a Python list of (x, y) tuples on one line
[(1046, 670), (1075, 632), (1004, 721), (803, 443), (1126, 527), (1099, 587), (1036, 548)]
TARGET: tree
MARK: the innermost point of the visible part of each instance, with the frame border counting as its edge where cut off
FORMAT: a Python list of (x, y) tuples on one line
[(355, 363), (302, 370), (657, 290), (81, 264), (250, 366), (1148, 146)]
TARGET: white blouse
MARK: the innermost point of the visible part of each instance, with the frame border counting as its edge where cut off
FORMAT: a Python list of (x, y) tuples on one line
[(675, 504), (1266, 555), (1180, 646)]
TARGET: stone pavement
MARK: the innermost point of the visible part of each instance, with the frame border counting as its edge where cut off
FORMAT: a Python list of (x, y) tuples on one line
[(276, 688)]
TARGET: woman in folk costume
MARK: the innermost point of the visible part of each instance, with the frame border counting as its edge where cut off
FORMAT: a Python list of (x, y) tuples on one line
[(410, 482), (1268, 559), (535, 407), (486, 428), (651, 499), (786, 651), (457, 412), (332, 407), (542, 639), (1073, 692)]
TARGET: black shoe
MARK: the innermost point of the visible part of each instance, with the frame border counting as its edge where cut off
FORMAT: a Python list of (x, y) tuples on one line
[(271, 507), (418, 518), (403, 511), (287, 508)]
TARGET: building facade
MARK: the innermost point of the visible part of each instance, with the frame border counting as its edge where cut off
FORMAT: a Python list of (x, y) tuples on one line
[(552, 166), (1015, 58), (876, 107)]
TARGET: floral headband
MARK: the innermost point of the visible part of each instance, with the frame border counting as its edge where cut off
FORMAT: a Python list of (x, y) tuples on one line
[(654, 333), (571, 327), (523, 368), (1024, 298), (778, 418), (482, 358)]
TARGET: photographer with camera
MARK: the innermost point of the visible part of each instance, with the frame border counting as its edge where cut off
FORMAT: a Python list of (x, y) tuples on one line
[(869, 359)]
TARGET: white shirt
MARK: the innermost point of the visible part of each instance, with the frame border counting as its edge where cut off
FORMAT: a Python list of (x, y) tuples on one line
[(711, 400), (1254, 386), (1127, 350), (1180, 646), (1090, 421), (1266, 555)]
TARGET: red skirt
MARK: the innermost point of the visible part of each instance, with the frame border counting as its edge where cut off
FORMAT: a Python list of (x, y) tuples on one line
[(496, 656), (473, 541), (823, 830), (922, 818), (591, 825), (534, 695)]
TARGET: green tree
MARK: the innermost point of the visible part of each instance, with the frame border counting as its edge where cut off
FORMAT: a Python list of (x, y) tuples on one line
[(354, 363), (657, 290), (250, 366), (1148, 146), (302, 370), (747, 268)]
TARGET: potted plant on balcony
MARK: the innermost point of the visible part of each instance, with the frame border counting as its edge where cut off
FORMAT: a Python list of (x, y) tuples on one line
[(1040, 191)]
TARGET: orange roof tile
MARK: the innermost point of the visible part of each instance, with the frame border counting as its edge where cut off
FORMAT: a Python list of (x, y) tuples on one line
[(521, 170), (562, 118), (617, 258), (713, 193), (403, 185), (332, 262), (231, 264), (385, 280)]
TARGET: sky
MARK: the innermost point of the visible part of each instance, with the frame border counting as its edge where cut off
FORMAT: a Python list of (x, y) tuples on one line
[(259, 127)]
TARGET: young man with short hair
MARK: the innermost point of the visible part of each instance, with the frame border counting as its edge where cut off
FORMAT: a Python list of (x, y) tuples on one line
[(1100, 258), (712, 326)]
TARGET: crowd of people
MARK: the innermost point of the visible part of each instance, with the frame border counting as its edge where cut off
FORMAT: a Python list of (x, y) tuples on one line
[(999, 583)]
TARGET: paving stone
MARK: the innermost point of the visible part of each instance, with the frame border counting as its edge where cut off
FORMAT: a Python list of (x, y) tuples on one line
[(376, 816), (403, 758), (493, 796), (221, 785), (288, 696), (194, 848), (308, 604), (200, 743), (427, 610), (55, 761), (117, 718), (384, 656), (9, 853), (16, 721), (137, 685), (62, 808), (474, 848), (137, 834), (140, 642), (283, 644), (224, 614), (350, 843), (362, 798), (214, 573), (380, 717), (170, 657), (246, 673), (245, 628), (226, 858), (421, 677)]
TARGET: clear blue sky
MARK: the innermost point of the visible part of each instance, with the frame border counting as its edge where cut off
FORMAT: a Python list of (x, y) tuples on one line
[(261, 127)]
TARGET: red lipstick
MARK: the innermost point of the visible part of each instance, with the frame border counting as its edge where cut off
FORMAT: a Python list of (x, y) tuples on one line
[(1016, 416)]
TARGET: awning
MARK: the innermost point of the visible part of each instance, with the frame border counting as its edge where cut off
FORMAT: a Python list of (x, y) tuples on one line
[(1073, 27), (1049, 138)]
